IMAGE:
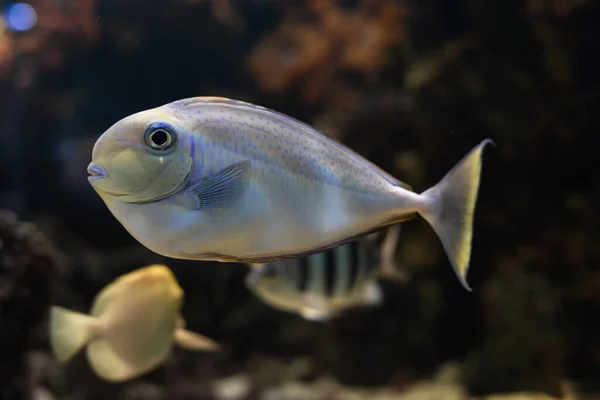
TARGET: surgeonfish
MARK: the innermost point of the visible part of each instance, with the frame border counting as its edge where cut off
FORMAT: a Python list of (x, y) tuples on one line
[(132, 326), (321, 286), (210, 178)]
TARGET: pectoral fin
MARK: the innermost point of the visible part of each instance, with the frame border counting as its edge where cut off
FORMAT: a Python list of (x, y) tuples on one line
[(222, 188), (193, 341)]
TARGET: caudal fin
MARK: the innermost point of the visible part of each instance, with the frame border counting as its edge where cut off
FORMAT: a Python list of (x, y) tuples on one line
[(70, 331), (451, 205)]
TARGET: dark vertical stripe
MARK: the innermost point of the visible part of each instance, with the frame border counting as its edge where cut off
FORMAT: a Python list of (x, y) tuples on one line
[(354, 257), (330, 272), (372, 256), (302, 274), (367, 253), (284, 271)]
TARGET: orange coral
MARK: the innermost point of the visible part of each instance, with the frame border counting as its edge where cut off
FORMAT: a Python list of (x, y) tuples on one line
[(365, 35), (288, 55), (77, 18), (311, 54), (56, 21), (6, 50)]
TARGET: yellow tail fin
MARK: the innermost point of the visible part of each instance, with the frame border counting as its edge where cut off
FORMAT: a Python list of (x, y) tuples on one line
[(70, 331), (451, 205)]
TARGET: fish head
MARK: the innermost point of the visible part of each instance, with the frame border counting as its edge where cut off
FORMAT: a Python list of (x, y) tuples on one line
[(144, 157), (264, 277)]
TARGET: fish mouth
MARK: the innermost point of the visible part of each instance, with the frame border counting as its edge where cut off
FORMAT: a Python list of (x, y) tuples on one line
[(96, 172)]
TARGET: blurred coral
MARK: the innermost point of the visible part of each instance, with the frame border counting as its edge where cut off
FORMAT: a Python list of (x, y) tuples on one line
[(410, 84), (312, 49), (28, 267), (62, 29), (6, 48), (523, 350)]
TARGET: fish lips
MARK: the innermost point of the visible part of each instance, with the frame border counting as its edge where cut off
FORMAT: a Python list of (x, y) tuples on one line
[(96, 172)]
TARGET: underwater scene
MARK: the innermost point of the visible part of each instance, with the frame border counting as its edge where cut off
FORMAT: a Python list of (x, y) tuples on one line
[(299, 200)]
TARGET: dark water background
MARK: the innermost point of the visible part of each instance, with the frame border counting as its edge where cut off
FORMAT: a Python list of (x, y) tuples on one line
[(412, 85)]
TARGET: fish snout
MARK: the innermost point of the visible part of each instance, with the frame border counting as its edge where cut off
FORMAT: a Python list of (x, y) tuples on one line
[(96, 171)]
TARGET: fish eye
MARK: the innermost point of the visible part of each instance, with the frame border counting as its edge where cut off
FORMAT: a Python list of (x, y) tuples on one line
[(160, 136)]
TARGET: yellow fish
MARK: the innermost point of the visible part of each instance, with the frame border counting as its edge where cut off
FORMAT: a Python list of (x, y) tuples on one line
[(131, 327), (216, 179)]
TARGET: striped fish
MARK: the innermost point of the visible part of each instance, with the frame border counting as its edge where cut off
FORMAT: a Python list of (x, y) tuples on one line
[(320, 286)]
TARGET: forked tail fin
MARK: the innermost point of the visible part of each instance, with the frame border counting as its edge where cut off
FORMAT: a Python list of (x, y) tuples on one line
[(450, 209)]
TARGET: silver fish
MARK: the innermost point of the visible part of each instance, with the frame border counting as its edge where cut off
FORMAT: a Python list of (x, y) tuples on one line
[(216, 179), (321, 286)]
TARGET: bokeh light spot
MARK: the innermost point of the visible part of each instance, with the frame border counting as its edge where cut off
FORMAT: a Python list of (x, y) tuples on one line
[(20, 17)]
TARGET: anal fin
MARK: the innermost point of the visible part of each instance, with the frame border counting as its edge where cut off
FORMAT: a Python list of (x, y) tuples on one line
[(314, 315)]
